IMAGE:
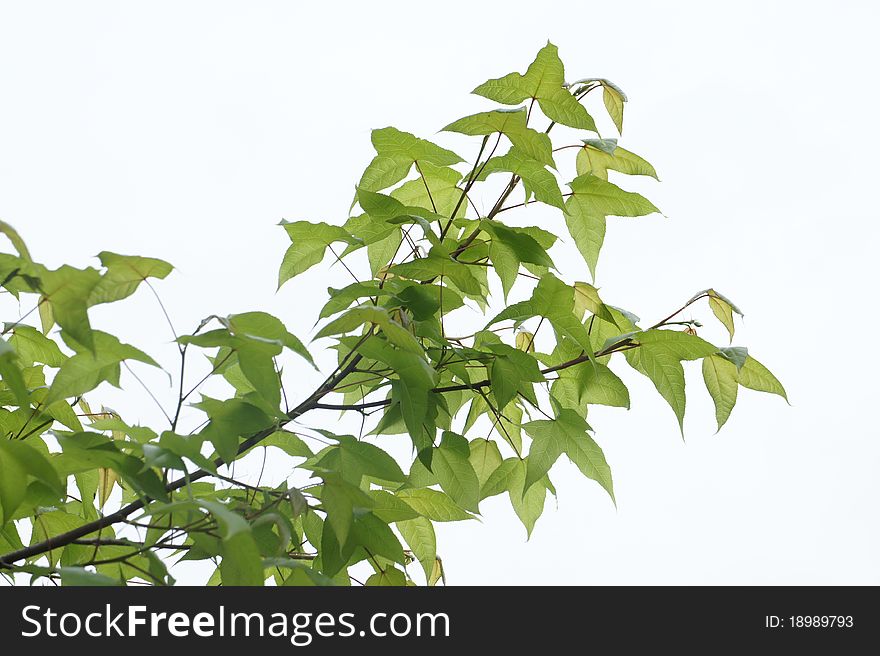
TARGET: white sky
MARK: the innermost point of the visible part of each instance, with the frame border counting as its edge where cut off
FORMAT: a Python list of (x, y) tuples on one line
[(186, 131)]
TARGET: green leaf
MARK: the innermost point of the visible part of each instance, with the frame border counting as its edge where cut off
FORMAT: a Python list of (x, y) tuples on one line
[(17, 242), (79, 576), (455, 473), (723, 310), (68, 291), (512, 124), (288, 442), (536, 178), (601, 385), (241, 562), (413, 402), (310, 242), (389, 508), (32, 346), (371, 314), (377, 538), (592, 200), (586, 299), (353, 459), (396, 153), (20, 464), (501, 477), (735, 354), (528, 503), (438, 265), (47, 320), (124, 274), (485, 458), (524, 246), (87, 369), (229, 421), (506, 264), (339, 499), (264, 326), (10, 374), (586, 226), (419, 535), (598, 156), (554, 300), (341, 299), (756, 376), (433, 504), (565, 434), (512, 373), (659, 358), (721, 378), (544, 81), (614, 100), (441, 181), (390, 576), (679, 343), (391, 141), (504, 377)]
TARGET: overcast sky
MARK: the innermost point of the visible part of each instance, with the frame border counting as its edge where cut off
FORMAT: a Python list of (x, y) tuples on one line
[(187, 130)]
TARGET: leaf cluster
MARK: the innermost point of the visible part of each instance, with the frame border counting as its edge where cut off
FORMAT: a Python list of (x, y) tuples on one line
[(487, 413)]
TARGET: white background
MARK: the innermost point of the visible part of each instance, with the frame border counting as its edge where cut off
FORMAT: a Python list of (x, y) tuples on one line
[(187, 130)]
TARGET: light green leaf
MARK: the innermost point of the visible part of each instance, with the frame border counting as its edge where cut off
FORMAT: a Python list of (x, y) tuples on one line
[(444, 193), (524, 246), (353, 459), (229, 421), (536, 178), (455, 473), (32, 346), (266, 327), (679, 343), (371, 314), (79, 576), (501, 478), (68, 291), (565, 434), (592, 200), (595, 158), (419, 535), (341, 299), (86, 370), (124, 274), (241, 562), (756, 376), (659, 358), (20, 463), (433, 504), (614, 101), (438, 265), (391, 141), (512, 124), (485, 458), (10, 374), (396, 153), (723, 310), (17, 242), (388, 577), (601, 385), (310, 242), (528, 503), (377, 537), (544, 81), (721, 379)]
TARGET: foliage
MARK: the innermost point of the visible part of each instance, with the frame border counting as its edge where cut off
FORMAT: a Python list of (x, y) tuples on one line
[(489, 413)]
